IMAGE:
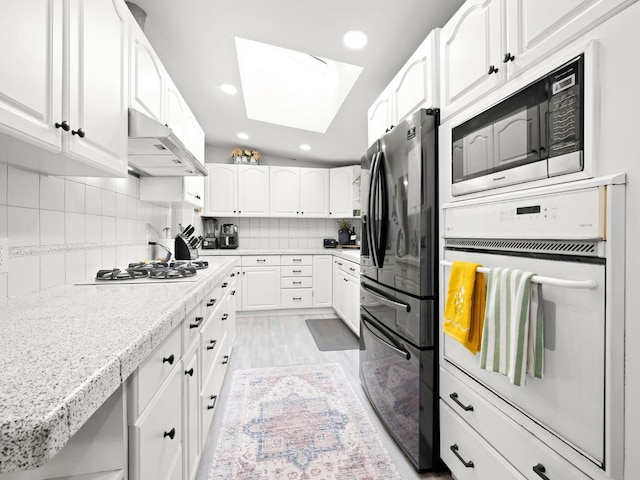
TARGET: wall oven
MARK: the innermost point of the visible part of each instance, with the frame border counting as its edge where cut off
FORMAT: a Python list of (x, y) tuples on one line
[(569, 237), (536, 133)]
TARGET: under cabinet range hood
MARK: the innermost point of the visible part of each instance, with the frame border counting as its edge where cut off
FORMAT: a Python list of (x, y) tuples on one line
[(155, 150)]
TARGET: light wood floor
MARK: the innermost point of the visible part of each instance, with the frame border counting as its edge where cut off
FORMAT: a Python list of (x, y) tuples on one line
[(285, 340)]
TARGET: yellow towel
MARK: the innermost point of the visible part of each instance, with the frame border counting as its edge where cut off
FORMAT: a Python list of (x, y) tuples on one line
[(464, 309)]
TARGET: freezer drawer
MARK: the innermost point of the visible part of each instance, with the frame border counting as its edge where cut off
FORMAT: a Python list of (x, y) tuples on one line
[(399, 381)]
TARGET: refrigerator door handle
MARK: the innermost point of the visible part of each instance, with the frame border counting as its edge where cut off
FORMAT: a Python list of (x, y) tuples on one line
[(372, 211), (386, 300), (384, 214), (403, 353)]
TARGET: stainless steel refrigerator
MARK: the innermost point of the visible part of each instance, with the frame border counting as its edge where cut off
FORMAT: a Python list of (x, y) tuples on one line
[(399, 285)]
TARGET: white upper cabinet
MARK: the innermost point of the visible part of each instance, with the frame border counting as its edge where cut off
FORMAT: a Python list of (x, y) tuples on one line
[(285, 191), (488, 42), (147, 76), (297, 192), (470, 53), (253, 190), (344, 197), (184, 191), (81, 111), (221, 190), (535, 28), (314, 192), (414, 86), (183, 123), (379, 116)]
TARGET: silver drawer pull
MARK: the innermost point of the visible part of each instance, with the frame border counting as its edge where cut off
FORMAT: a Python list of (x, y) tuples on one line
[(454, 449), (467, 408)]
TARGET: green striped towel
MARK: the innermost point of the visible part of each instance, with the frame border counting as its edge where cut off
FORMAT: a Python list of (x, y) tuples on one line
[(513, 335)]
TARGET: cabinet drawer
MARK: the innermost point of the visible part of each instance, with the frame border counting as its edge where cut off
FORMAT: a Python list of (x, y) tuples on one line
[(456, 437), (293, 271), (155, 369), (348, 267), (296, 259), (156, 437), (296, 282), (212, 301), (295, 298), (211, 390), (212, 337), (260, 260), (191, 327), (517, 445)]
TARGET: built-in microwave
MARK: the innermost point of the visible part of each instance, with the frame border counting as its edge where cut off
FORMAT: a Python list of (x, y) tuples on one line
[(536, 133)]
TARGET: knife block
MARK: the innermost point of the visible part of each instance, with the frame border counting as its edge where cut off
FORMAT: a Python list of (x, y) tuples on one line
[(184, 251)]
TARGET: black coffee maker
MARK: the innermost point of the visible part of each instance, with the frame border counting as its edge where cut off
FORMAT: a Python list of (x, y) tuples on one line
[(229, 236)]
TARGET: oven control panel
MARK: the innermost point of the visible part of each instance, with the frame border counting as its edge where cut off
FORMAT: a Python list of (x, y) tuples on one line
[(577, 214)]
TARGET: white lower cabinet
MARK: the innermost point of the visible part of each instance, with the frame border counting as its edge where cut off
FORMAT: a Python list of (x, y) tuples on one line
[(191, 421), (171, 397), (296, 281), (322, 281), (466, 454), (260, 282), (156, 435), (346, 292)]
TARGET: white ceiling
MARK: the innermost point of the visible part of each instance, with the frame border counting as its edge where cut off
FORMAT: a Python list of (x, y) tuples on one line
[(195, 39)]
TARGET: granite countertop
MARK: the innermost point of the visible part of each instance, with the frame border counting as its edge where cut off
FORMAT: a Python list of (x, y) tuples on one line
[(67, 349), (352, 254)]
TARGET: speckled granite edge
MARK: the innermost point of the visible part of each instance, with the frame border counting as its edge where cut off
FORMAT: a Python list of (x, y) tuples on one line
[(351, 254), (27, 443)]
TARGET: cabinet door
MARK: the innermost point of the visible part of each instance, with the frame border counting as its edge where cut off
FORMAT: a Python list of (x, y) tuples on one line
[(260, 288), (31, 70), (415, 85), (147, 76), (536, 28), (221, 190), (339, 291), (98, 83), (253, 190), (469, 46), (322, 281), (284, 188), (194, 191), (314, 192), (379, 116), (352, 307), (191, 422), (341, 196)]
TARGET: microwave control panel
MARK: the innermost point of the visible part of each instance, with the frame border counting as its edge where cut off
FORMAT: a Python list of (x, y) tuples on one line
[(577, 214)]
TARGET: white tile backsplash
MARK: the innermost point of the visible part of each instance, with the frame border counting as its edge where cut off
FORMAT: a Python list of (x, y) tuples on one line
[(52, 193), (23, 226), (74, 227), (93, 197), (3, 186), (3, 285), (3, 221), (74, 266), (108, 203), (51, 228), (121, 205), (74, 196), (93, 229), (23, 188), (108, 229)]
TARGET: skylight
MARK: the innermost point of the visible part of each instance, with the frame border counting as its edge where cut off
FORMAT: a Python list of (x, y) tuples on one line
[(292, 88)]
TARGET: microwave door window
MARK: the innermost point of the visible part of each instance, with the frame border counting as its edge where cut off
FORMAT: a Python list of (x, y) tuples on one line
[(478, 152), (516, 138)]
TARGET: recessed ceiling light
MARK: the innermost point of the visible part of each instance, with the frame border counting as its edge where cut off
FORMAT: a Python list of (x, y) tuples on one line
[(355, 39), (228, 89), (243, 136), (305, 147)]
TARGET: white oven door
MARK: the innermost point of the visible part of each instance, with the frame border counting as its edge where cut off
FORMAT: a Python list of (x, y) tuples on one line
[(570, 400)]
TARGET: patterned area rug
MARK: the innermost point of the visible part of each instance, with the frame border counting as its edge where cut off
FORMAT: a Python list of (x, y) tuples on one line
[(300, 422)]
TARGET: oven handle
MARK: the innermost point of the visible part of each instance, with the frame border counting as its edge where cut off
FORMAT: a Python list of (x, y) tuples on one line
[(556, 282), (402, 353), (386, 300)]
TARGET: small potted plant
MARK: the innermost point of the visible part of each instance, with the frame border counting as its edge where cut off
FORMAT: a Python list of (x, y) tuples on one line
[(344, 231)]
